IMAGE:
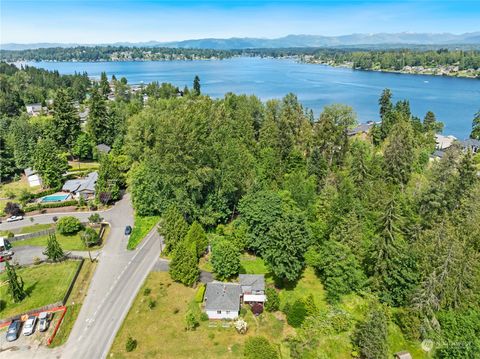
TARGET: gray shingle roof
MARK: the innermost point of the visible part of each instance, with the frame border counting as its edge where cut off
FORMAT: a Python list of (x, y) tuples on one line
[(252, 282), (222, 296), (470, 143), (83, 184), (363, 127)]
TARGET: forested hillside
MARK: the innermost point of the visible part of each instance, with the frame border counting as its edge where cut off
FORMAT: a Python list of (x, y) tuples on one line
[(371, 215)]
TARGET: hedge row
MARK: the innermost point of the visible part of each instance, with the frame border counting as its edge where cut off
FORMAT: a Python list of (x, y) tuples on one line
[(44, 193), (40, 206), (200, 293)]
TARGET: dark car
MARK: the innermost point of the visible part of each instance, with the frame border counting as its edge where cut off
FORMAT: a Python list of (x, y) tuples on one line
[(128, 230), (13, 330)]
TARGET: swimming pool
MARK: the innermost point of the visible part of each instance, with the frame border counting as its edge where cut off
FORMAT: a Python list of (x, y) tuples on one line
[(55, 198)]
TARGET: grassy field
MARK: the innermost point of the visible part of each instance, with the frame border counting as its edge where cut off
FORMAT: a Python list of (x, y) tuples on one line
[(44, 284), (68, 243), (81, 166), (9, 191), (74, 302), (28, 229), (142, 226), (160, 331)]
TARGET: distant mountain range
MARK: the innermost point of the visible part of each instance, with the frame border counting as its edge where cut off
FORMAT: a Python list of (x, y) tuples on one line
[(403, 38)]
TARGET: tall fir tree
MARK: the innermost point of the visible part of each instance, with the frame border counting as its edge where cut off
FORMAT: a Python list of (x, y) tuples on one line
[(184, 264), (196, 85), (53, 251), (104, 85), (371, 334), (98, 124), (66, 122), (15, 284), (173, 228)]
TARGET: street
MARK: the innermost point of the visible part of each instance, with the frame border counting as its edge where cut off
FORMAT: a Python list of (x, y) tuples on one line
[(117, 279)]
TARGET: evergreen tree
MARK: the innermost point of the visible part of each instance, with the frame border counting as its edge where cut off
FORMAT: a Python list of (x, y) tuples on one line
[(173, 228), (53, 251), (430, 123), (98, 124), (475, 134), (371, 334), (385, 103), (15, 284), (66, 122), (225, 259), (104, 85), (196, 235), (196, 85), (109, 180), (184, 264), (49, 163), (399, 153)]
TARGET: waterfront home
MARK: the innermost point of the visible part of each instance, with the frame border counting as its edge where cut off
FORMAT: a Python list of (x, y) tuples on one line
[(361, 130), (471, 144), (444, 142)]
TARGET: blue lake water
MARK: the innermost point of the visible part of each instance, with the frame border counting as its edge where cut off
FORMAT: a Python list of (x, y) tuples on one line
[(453, 100)]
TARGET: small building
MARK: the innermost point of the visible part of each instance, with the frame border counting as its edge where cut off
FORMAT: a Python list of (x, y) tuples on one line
[(33, 177), (103, 148), (361, 130), (402, 355), (253, 288), (222, 300), (34, 109), (471, 144), (82, 187), (444, 142)]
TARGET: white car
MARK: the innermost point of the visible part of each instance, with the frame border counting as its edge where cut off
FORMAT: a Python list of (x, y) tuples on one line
[(43, 318), (29, 327), (14, 218)]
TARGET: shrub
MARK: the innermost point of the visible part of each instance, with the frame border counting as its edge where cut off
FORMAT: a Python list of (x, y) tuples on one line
[(243, 311), (95, 218), (13, 209), (310, 305), (257, 309), (409, 323), (10, 235), (259, 348), (296, 314), (152, 303), (68, 225), (147, 291), (204, 317), (191, 321), (273, 301), (200, 293), (175, 310), (370, 336), (90, 237), (131, 344)]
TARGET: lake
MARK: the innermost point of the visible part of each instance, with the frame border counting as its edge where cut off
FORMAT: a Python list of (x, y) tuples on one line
[(453, 100)]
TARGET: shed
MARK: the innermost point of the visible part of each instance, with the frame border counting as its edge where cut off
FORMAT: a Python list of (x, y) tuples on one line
[(402, 355), (33, 177)]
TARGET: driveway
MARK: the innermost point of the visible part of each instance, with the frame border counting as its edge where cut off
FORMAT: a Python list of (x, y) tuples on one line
[(117, 279)]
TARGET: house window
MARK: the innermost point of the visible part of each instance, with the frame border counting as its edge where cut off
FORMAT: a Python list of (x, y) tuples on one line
[(219, 312)]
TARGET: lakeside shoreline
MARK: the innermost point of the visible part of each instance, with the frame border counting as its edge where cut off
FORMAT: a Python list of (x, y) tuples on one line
[(437, 71)]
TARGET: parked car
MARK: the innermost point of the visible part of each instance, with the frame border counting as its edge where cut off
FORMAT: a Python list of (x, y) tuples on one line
[(13, 330), (14, 218), (5, 256), (29, 327), (128, 230), (44, 320)]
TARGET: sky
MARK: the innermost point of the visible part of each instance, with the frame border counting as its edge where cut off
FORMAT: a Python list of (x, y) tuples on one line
[(107, 21)]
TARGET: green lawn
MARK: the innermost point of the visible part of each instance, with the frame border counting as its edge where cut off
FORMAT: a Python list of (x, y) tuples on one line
[(68, 243), (142, 226), (13, 189), (29, 229), (160, 331), (44, 284), (74, 302)]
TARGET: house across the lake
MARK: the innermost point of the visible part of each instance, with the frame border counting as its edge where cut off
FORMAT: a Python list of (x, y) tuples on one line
[(82, 187), (223, 300), (361, 130), (471, 144)]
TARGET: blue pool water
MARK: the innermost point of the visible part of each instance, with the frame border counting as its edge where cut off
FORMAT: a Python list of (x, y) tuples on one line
[(55, 198), (454, 100)]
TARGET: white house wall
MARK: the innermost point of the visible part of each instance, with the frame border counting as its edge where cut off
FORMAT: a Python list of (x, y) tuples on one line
[(212, 314)]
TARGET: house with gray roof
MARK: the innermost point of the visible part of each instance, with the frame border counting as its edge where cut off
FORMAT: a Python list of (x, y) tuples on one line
[(222, 300), (253, 288), (361, 130), (471, 144), (84, 187)]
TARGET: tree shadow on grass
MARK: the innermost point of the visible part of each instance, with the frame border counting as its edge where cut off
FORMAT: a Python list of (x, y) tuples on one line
[(29, 290)]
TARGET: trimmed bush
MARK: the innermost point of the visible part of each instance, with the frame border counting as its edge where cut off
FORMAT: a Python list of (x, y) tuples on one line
[(273, 301), (90, 237), (204, 317), (296, 314), (259, 348), (191, 321), (69, 225), (39, 206), (200, 293), (131, 344)]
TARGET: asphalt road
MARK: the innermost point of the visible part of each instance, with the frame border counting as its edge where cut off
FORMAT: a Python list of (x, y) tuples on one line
[(117, 279)]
